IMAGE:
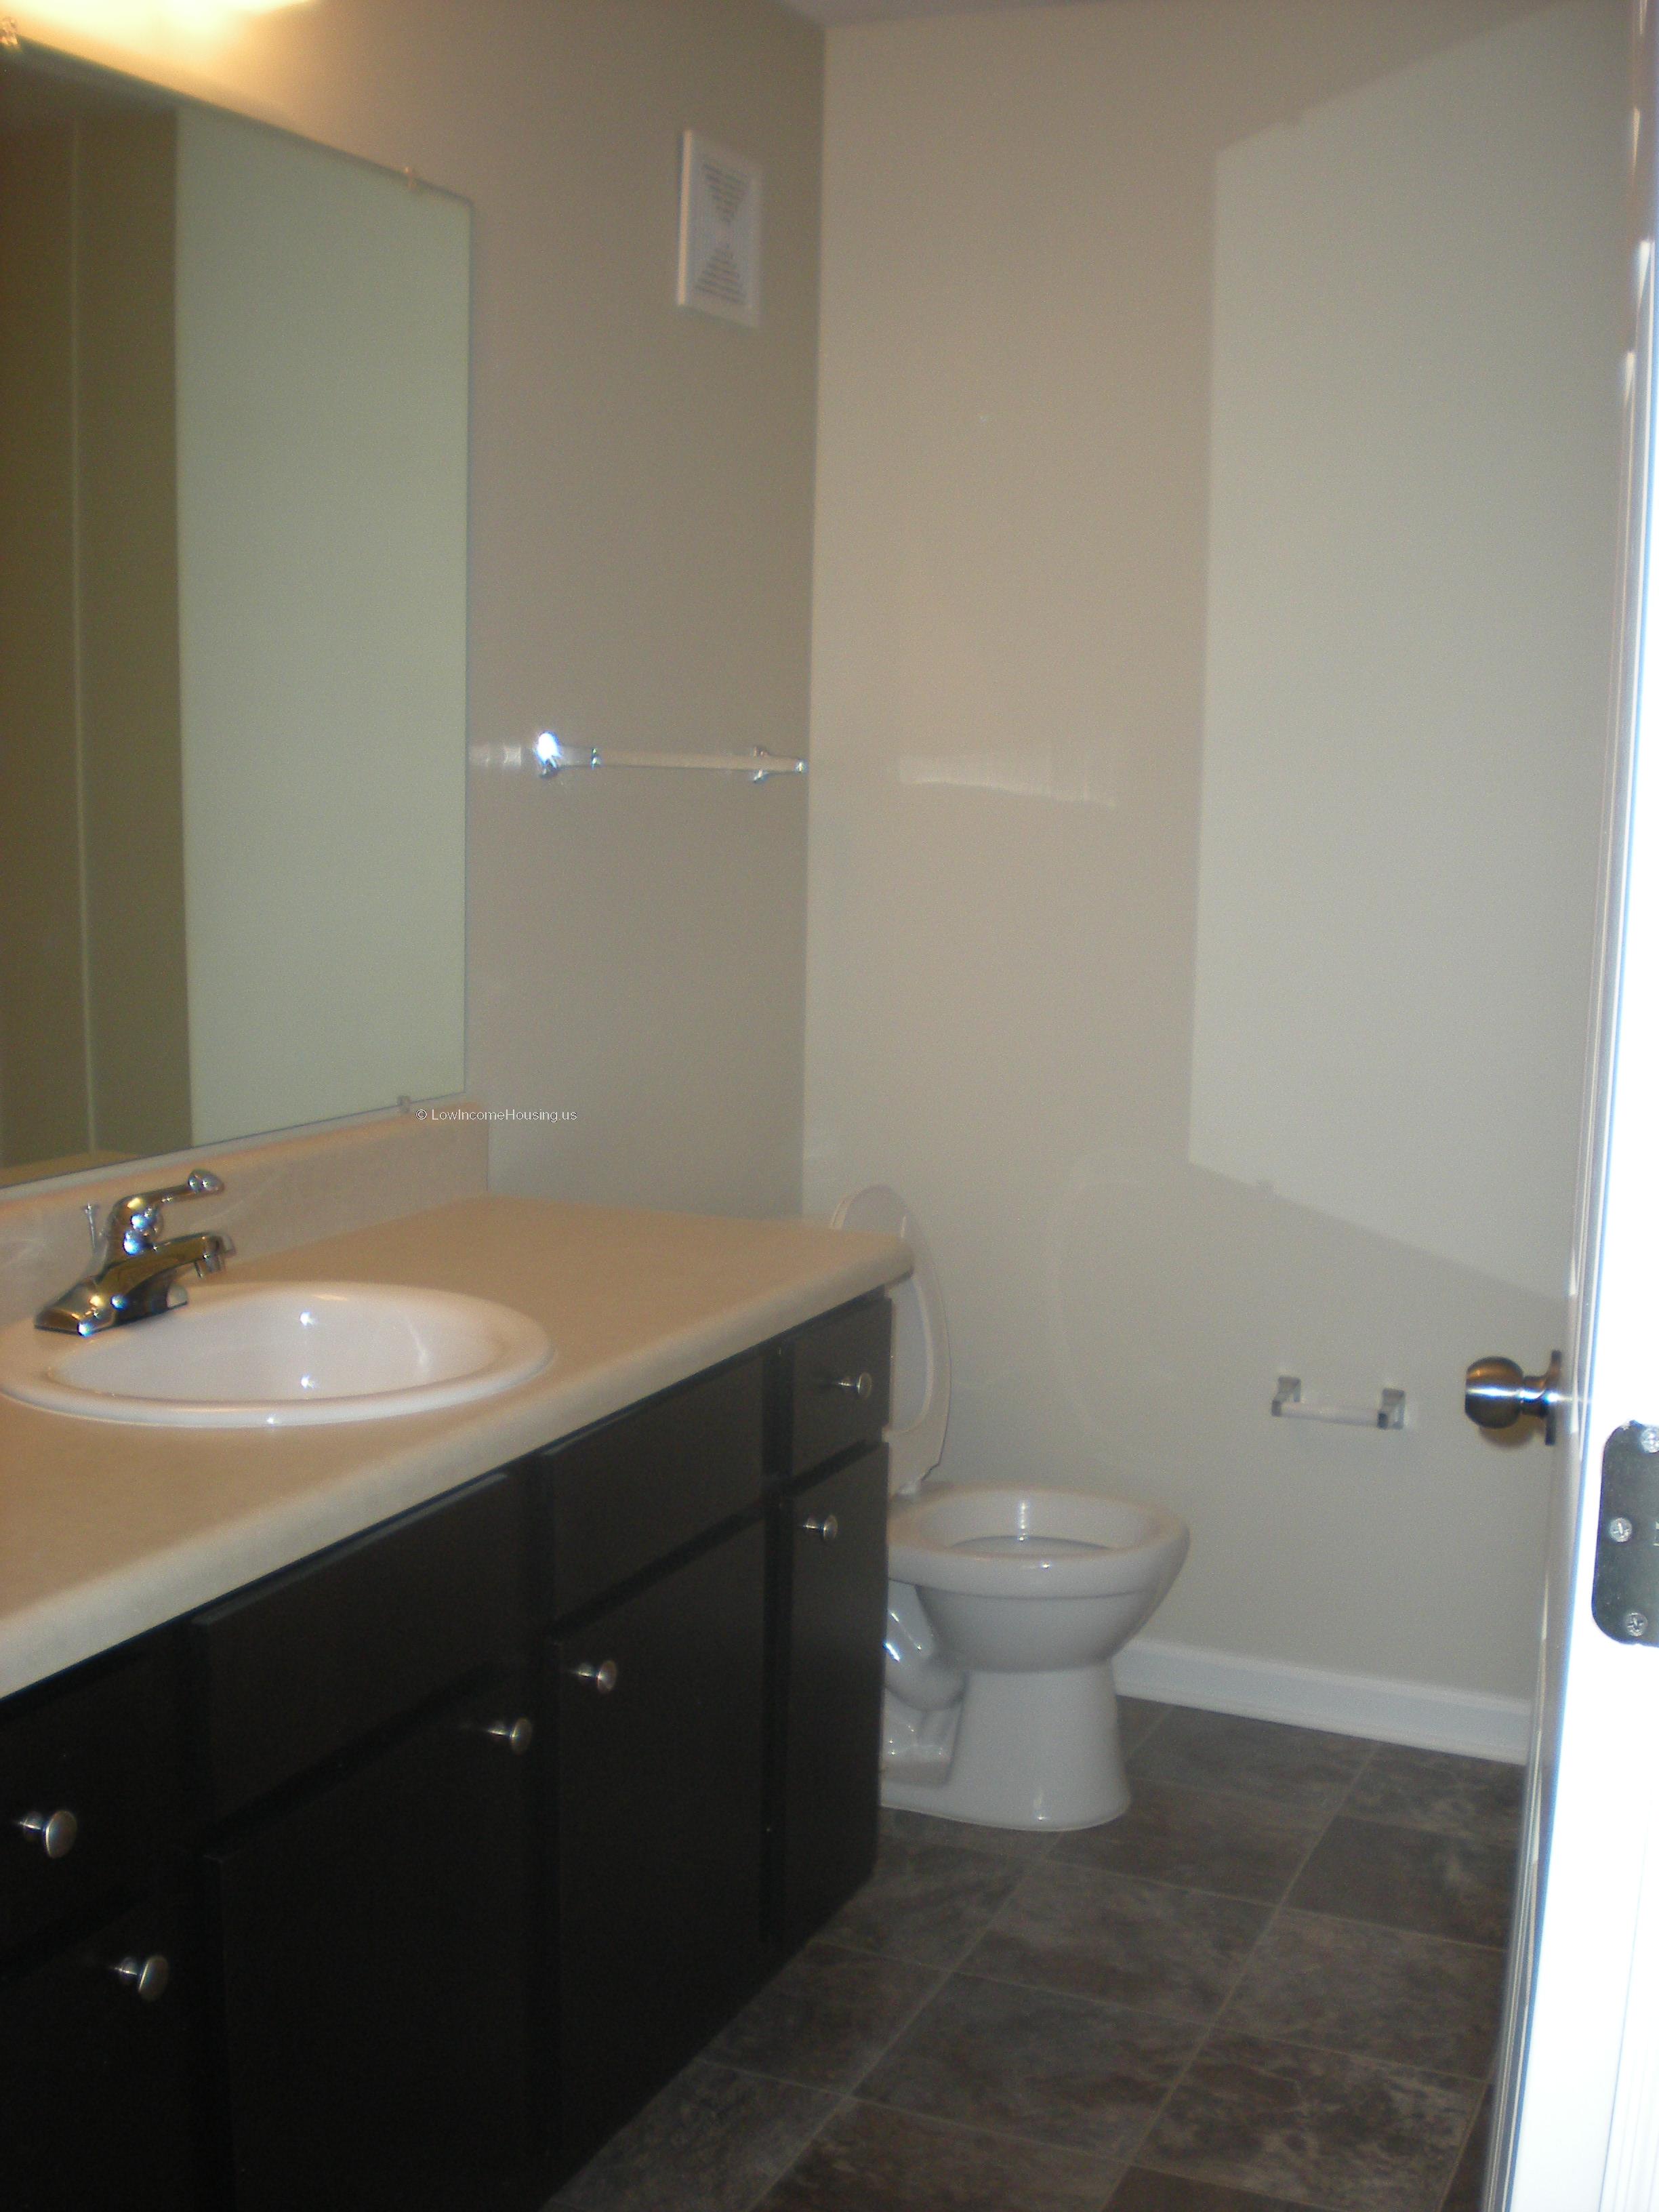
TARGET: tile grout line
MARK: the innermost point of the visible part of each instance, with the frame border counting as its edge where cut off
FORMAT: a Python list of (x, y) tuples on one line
[(839, 2102), (849, 2100), (1488, 2090), (993, 2135), (1251, 1950), (1024, 1867), (1005, 1906), (1174, 2173), (1394, 1928), (1159, 1882), (1206, 2029), (1205, 2024), (1268, 1926), (1143, 1740), (940, 1976), (961, 1966)]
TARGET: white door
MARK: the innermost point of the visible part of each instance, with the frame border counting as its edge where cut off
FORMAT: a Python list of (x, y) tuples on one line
[(1578, 2125)]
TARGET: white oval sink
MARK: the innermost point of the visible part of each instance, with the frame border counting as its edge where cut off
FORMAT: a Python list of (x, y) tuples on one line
[(278, 1356)]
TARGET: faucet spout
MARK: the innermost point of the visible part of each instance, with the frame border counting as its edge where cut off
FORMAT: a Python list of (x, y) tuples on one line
[(137, 1275)]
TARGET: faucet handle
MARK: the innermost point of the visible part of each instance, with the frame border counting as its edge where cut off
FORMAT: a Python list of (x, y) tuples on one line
[(133, 1222)]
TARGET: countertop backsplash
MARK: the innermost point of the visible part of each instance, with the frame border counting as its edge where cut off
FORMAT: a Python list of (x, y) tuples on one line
[(278, 1193)]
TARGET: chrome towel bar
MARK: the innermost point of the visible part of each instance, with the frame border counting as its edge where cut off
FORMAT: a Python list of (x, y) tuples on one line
[(1389, 1412), (551, 757)]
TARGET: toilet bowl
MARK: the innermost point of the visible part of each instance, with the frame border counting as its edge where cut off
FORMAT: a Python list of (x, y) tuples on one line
[(1006, 1602)]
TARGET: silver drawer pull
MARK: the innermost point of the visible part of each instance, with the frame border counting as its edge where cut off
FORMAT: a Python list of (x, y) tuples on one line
[(862, 1386), (828, 1528), (56, 1832), (146, 1977), (517, 1735), (603, 1676)]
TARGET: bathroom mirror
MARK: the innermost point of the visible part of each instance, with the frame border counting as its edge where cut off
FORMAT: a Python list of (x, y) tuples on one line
[(232, 625)]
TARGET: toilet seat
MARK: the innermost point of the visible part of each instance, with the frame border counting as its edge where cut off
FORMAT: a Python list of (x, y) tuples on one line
[(921, 1346), (1005, 1542), (1019, 1545)]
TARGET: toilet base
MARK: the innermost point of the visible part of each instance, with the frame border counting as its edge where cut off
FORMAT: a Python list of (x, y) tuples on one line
[(1032, 1751)]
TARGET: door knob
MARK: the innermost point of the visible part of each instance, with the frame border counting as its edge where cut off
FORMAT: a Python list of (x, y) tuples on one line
[(55, 1833), (146, 1977), (858, 1386), (601, 1676), (1496, 1394), (826, 1530)]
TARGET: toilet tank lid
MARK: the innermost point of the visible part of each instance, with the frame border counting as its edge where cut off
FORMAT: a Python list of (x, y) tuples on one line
[(921, 1347)]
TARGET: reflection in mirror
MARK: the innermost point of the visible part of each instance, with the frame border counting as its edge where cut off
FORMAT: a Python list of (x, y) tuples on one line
[(233, 605)]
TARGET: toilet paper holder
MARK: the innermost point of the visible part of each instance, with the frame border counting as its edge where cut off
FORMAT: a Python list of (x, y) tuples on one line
[(1289, 1404)]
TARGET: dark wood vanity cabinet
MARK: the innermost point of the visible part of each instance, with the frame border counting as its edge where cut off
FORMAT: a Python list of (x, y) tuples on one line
[(97, 2086), (655, 1856), (460, 1839), (97, 2083), (372, 1945), (361, 1764), (831, 1551)]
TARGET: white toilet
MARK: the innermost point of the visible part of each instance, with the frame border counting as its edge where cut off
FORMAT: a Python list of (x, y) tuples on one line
[(1005, 1606)]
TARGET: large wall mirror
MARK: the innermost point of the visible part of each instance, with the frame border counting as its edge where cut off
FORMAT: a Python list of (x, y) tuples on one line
[(233, 626)]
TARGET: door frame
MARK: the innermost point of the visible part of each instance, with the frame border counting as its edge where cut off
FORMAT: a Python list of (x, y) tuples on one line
[(1576, 2122)]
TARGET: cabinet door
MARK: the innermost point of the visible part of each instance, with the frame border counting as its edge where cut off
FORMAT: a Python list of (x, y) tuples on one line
[(95, 2084), (374, 1959), (834, 1598), (658, 1830)]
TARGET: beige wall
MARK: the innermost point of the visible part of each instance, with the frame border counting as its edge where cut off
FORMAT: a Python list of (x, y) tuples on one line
[(43, 1063), (1213, 586), (94, 1045), (641, 549), (127, 616)]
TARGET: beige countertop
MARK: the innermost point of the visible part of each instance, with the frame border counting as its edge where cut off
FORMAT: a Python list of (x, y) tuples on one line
[(107, 1529)]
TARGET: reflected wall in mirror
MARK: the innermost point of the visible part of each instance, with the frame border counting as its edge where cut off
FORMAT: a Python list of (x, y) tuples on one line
[(232, 611)]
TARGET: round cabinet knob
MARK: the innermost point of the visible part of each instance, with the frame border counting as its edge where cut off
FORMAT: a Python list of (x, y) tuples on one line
[(146, 1977), (826, 1529), (517, 1735), (601, 1674), (860, 1386), (55, 1833)]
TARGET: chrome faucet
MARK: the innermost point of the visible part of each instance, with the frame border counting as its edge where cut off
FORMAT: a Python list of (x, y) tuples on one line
[(137, 1270)]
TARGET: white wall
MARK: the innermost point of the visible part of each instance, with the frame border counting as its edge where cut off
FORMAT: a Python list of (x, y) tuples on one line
[(1212, 594), (1407, 646)]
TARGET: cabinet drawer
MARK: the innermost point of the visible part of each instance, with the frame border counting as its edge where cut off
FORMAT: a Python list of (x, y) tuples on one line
[(837, 1384), (613, 1503), (91, 1760), (304, 1665)]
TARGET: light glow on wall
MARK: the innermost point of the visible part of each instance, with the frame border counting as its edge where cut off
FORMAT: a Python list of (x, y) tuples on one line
[(144, 23), (1410, 564)]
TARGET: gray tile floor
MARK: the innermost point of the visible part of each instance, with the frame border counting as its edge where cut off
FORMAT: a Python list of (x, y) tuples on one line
[(1275, 1982)]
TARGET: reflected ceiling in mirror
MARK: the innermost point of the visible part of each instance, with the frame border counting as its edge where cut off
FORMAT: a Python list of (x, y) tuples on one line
[(233, 626)]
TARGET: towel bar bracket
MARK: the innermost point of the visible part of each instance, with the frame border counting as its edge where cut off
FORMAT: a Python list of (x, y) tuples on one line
[(1289, 1404)]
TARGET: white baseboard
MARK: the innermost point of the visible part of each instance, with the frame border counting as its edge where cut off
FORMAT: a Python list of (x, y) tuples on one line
[(1419, 1713)]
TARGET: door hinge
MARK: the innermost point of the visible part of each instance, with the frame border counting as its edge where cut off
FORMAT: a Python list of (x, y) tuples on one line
[(1625, 1594)]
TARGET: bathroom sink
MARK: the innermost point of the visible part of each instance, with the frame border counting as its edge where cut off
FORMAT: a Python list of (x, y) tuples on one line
[(278, 1356)]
